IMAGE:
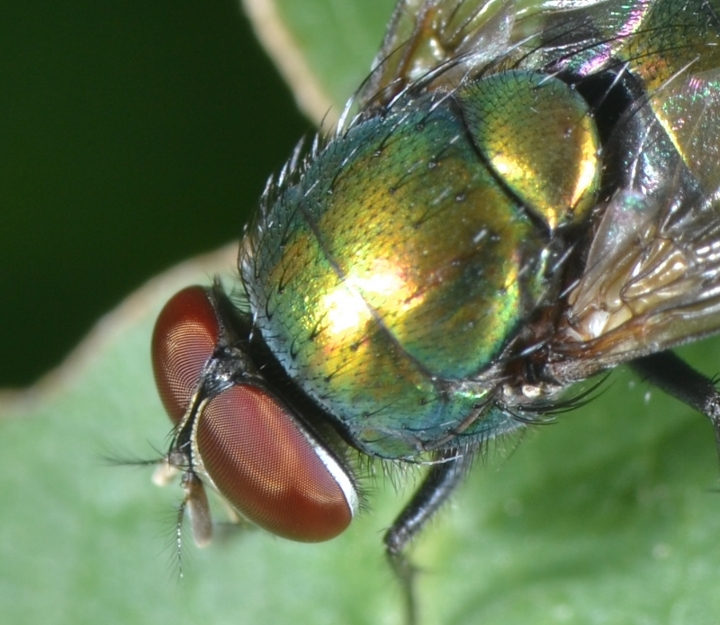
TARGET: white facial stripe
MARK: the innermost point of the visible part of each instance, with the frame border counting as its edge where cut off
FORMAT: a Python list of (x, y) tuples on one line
[(338, 473)]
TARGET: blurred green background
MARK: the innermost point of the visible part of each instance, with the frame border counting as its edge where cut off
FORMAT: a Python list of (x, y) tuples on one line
[(134, 135)]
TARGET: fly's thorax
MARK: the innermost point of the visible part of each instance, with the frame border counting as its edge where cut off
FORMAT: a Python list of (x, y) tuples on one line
[(388, 278), (538, 135)]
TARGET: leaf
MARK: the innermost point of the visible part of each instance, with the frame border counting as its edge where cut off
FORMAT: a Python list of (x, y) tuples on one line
[(608, 516)]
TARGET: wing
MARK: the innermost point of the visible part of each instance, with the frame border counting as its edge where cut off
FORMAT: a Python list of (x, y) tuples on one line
[(438, 43), (425, 35), (652, 279)]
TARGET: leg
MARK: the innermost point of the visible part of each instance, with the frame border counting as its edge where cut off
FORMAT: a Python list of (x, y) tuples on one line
[(674, 376), (434, 491)]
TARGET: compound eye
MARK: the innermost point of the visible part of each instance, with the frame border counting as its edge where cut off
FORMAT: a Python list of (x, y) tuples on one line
[(270, 469), (184, 338)]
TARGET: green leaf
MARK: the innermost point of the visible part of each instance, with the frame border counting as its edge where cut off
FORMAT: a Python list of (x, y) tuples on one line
[(609, 515)]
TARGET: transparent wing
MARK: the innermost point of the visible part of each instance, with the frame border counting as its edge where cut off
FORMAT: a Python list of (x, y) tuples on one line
[(439, 43), (424, 35), (653, 274)]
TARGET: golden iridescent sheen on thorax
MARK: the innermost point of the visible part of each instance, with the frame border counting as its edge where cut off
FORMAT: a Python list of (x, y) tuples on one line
[(406, 267), (538, 135)]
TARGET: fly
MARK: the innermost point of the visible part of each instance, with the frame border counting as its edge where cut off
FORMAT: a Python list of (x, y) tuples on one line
[(526, 197)]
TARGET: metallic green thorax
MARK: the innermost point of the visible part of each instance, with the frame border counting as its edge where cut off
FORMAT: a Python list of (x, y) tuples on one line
[(413, 246)]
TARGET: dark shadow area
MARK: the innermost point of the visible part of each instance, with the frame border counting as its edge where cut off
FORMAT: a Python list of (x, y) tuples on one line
[(134, 136)]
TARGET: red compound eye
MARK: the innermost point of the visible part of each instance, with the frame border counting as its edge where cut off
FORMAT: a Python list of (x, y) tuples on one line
[(184, 338), (268, 468)]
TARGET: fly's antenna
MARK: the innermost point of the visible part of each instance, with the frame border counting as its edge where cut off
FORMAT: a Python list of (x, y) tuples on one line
[(194, 506), (178, 538)]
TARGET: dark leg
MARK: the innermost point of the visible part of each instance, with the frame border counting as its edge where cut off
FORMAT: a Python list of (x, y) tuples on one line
[(434, 491), (677, 378)]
